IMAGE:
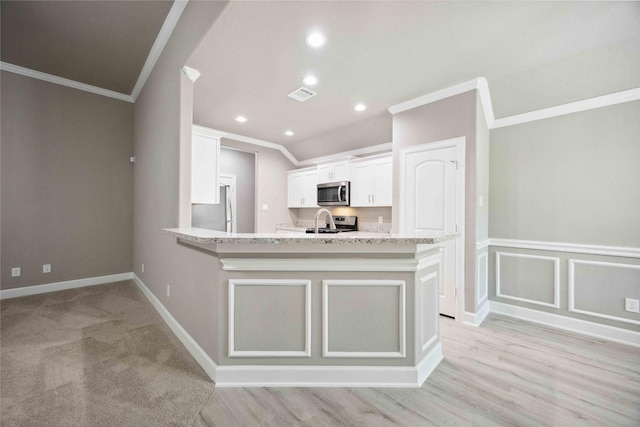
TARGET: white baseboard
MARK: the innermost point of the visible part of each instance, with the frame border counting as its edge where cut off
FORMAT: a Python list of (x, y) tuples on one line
[(60, 286), (476, 319), (610, 333), (192, 346), (329, 376)]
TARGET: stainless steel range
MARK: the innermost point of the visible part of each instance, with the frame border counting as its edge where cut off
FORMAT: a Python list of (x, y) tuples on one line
[(343, 224)]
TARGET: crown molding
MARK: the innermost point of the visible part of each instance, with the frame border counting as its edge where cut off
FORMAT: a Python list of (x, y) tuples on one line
[(436, 96), (572, 107), (386, 147), (259, 143), (5, 66), (168, 26)]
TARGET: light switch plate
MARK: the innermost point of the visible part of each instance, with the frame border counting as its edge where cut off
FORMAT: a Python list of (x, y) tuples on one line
[(46, 268), (16, 272)]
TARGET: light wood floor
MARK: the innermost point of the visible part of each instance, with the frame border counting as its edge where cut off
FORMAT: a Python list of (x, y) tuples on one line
[(506, 372)]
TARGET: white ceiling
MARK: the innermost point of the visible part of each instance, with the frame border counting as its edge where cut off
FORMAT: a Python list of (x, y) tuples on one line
[(533, 54)]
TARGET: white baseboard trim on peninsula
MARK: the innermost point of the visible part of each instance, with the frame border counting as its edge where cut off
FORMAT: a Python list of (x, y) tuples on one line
[(192, 346), (610, 333), (329, 376), (61, 286), (476, 319)]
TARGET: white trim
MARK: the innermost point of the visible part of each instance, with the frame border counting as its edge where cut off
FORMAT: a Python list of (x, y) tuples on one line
[(320, 264), (191, 73), (482, 297), (60, 286), (380, 148), (572, 107), (476, 319), (203, 359), (482, 244), (435, 96), (556, 279), (430, 261), (572, 308), (207, 132), (269, 353), (460, 143), (627, 252), (260, 143), (485, 100), (620, 251), (5, 66), (402, 329), (168, 26), (610, 333), (330, 376)]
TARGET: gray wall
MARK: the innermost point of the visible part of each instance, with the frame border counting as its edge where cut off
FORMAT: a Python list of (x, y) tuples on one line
[(449, 118), (569, 179), (67, 184), (243, 165), (373, 131), (572, 179), (157, 113)]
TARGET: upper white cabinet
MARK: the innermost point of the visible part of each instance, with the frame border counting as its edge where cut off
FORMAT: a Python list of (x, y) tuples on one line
[(371, 182), (205, 165), (302, 188), (332, 172)]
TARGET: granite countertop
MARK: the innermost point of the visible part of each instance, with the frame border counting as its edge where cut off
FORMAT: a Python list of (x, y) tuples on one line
[(199, 235)]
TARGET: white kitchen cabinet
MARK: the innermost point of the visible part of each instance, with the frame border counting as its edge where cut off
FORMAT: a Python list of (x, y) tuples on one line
[(371, 182), (332, 172), (205, 166), (302, 188)]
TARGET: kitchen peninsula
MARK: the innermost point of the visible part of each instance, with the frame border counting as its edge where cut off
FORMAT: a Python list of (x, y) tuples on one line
[(350, 309)]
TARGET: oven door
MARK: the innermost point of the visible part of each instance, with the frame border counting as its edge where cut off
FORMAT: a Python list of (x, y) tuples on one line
[(334, 194)]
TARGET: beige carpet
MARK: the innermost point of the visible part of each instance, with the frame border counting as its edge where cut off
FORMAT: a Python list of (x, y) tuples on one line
[(96, 356)]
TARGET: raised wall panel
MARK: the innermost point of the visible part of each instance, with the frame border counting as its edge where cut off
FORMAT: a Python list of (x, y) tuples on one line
[(269, 318), (363, 318), (529, 278), (428, 326), (599, 289)]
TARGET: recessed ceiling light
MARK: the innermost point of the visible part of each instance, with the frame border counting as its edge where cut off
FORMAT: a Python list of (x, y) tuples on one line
[(360, 107), (241, 119), (316, 39), (310, 80), (288, 133)]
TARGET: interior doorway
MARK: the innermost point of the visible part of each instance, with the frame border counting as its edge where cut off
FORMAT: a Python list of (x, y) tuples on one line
[(432, 202)]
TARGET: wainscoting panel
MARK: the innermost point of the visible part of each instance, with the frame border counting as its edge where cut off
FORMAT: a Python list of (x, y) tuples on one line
[(529, 278), (269, 318), (597, 289), (428, 326), (363, 318)]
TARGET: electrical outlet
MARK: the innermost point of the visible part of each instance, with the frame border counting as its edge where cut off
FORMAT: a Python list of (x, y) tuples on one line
[(168, 290), (632, 305), (143, 268), (16, 272), (46, 268), (380, 220), (265, 207)]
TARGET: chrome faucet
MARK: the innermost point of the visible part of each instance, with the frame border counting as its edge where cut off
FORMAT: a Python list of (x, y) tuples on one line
[(332, 224)]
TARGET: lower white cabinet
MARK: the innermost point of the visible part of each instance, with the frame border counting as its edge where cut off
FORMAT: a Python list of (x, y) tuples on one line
[(302, 188), (371, 182)]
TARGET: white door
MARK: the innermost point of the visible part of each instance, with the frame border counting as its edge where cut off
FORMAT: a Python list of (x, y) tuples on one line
[(430, 203)]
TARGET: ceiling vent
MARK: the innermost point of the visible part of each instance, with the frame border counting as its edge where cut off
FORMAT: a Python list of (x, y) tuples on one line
[(301, 94)]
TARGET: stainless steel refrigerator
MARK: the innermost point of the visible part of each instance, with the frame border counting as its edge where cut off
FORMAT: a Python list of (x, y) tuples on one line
[(214, 217)]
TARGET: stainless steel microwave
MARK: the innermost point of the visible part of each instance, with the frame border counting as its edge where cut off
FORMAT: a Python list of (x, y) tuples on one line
[(334, 193)]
